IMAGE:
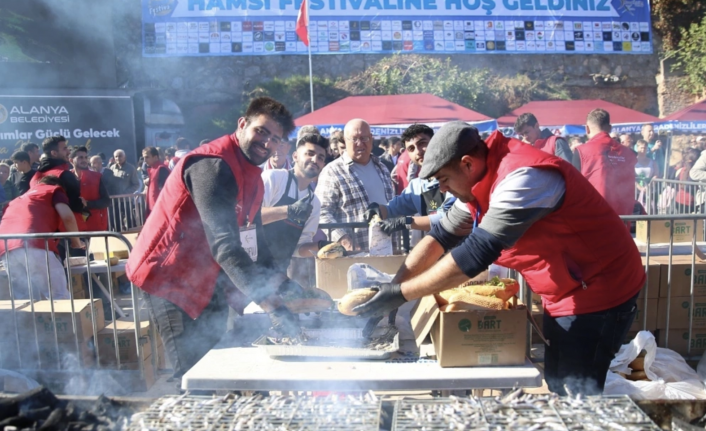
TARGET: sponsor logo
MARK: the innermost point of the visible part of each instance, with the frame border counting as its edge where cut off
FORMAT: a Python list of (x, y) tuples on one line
[(464, 325)]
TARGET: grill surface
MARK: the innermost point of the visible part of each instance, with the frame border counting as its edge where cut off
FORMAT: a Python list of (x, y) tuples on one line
[(526, 412), (234, 412)]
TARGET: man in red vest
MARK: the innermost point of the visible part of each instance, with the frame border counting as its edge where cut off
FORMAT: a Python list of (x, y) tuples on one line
[(55, 161), (41, 210), (527, 126), (203, 244), (157, 176), (606, 164), (94, 194), (533, 212)]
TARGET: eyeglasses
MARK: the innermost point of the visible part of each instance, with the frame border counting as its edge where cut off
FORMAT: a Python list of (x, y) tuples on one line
[(361, 139)]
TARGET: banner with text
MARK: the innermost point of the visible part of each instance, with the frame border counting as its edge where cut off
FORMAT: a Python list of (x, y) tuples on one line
[(103, 124), (261, 27)]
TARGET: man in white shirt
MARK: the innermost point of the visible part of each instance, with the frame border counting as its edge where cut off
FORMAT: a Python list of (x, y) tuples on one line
[(290, 209)]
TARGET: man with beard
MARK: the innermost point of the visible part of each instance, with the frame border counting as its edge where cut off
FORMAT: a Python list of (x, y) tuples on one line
[(55, 161), (290, 210), (93, 194), (202, 247), (421, 197), (279, 158)]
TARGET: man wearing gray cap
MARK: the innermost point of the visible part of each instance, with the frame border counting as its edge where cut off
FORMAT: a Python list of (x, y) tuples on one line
[(533, 212)]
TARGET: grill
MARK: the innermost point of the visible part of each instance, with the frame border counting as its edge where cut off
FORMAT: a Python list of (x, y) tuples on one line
[(235, 412), (521, 413)]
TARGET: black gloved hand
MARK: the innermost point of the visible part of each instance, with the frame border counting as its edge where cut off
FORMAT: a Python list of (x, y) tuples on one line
[(323, 243), (372, 211), (388, 298), (284, 322), (392, 225), (299, 211)]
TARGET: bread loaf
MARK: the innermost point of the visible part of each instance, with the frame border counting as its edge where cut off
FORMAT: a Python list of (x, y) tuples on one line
[(312, 301), (331, 251), (637, 375), (471, 301), (638, 364), (354, 299)]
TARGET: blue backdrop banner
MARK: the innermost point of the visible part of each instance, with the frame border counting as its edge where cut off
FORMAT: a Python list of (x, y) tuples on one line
[(261, 27)]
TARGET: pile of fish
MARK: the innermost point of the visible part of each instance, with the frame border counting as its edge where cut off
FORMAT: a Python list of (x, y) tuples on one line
[(276, 413), (520, 412)]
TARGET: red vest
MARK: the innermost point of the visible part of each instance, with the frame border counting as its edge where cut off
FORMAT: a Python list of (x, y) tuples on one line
[(90, 190), (153, 188), (33, 212), (580, 258), (171, 258), (547, 145), (610, 167), (56, 171)]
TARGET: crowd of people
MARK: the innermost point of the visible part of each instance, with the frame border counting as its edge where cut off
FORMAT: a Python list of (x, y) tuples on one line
[(226, 218)]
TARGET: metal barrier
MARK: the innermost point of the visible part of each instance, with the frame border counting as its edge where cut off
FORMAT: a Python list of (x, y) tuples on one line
[(663, 196), (126, 213), (352, 229), (39, 346)]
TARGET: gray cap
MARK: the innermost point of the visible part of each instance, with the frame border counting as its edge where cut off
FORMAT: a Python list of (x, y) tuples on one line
[(453, 141)]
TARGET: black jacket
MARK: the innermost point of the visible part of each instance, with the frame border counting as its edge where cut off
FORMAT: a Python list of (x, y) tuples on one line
[(68, 179)]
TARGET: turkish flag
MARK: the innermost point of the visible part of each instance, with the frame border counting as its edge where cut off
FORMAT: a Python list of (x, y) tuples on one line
[(303, 24)]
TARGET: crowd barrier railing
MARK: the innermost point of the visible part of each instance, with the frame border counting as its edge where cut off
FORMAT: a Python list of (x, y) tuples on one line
[(661, 256), (400, 246), (36, 341), (662, 196), (126, 213)]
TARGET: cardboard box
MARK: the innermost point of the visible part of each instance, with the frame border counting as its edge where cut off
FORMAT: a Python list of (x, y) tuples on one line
[(136, 384), (679, 312), (659, 231), (126, 342), (652, 305), (67, 356), (472, 338), (116, 246), (332, 274), (78, 287), (63, 316), (652, 283), (681, 276), (679, 339)]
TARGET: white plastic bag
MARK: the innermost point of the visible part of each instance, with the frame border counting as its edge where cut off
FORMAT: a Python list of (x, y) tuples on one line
[(380, 242), (362, 275), (672, 378)]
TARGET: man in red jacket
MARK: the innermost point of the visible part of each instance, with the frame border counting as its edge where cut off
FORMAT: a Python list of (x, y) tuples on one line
[(157, 176), (42, 209), (530, 211), (94, 194), (203, 248), (528, 128), (607, 165)]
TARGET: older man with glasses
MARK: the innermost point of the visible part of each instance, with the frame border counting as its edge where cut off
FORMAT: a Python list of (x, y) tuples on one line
[(349, 184)]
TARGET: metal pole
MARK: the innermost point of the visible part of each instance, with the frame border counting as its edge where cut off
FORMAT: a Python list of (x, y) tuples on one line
[(308, 38)]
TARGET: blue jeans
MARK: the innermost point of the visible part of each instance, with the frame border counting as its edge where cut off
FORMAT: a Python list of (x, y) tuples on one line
[(582, 347)]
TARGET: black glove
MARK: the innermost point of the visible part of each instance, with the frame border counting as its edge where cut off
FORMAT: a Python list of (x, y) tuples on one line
[(372, 211), (392, 225), (290, 289), (323, 243), (299, 211), (284, 322), (388, 298)]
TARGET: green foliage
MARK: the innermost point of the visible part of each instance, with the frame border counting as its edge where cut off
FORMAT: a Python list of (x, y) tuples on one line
[(294, 93), (691, 57), (477, 89), (671, 17)]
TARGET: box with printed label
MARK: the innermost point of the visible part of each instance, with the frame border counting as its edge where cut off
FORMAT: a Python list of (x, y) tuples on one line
[(681, 276), (116, 247), (678, 308), (679, 340), (651, 313), (653, 278), (659, 231), (8, 317), (125, 330), (472, 338), (51, 356), (332, 274), (82, 313)]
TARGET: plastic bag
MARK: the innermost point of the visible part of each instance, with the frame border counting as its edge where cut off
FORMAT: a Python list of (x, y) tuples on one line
[(380, 242), (362, 275), (672, 378), (13, 382)]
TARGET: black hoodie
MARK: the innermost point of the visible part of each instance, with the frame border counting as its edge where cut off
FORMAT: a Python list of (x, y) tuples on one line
[(69, 180)]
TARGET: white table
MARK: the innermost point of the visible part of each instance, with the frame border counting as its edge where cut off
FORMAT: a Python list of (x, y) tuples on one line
[(235, 365), (101, 267)]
